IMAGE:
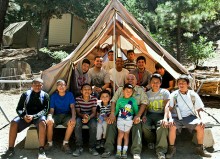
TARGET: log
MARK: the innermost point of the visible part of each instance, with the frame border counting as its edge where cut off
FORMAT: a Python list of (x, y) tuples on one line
[(9, 74)]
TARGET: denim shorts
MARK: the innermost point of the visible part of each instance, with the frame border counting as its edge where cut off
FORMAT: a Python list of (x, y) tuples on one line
[(22, 124)]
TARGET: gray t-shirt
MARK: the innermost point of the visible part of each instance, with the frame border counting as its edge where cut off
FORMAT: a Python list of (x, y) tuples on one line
[(100, 78), (156, 99)]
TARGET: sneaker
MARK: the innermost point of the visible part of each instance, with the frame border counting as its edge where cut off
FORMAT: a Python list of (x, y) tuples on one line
[(48, 147), (41, 154), (106, 154), (78, 151), (171, 152), (93, 151), (136, 156), (161, 155), (151, 146), (8, 154), (124, 154), (200, 151), (98, 144), (118, 154), (66, 148), (102, 143)]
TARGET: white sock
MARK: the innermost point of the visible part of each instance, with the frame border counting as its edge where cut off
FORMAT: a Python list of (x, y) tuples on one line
[(119, 147), (65, 142), (125, 148), (50, 143)]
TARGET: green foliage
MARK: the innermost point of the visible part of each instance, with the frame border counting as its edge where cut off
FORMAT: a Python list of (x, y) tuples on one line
[(56, 55), (201, 50)]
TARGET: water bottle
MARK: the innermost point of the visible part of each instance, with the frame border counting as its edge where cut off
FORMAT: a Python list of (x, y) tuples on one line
[(178, 113)]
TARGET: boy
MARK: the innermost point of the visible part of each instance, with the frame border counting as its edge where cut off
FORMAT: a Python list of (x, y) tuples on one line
[(103, 112), (191, 112), (86, 114), (158, 98), (32, 109), (62, 111), (126, 107)]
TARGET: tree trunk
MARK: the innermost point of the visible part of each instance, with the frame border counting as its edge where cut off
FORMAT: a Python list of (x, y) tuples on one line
[(178, 41), (44, 26), (3, 9)]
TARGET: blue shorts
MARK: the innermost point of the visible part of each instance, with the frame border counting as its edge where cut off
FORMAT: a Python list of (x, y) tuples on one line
[(189, 122), (22, 124)]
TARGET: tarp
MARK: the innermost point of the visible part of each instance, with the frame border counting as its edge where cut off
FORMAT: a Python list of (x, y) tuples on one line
[(114, 28), (20, 35)]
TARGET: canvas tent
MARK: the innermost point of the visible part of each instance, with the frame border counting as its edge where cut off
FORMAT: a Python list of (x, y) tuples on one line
[(20, 35), (114, 28)]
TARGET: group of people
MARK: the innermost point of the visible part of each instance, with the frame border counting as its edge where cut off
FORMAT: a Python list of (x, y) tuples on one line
[(141, 100)]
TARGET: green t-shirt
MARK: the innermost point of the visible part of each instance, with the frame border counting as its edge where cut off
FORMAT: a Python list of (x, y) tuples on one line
[(126, 108)]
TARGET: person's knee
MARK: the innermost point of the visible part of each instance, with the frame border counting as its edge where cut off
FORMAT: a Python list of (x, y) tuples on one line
[(42, 124)]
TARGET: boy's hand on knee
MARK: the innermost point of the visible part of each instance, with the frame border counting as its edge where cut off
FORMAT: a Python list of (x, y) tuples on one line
[(136, 120), (111, 119)]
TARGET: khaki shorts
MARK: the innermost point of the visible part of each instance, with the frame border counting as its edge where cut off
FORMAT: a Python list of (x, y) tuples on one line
[(124, 125)]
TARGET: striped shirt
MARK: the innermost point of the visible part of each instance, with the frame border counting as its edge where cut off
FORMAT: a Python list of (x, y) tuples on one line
[(130, 65), (86, 106), (104, 110)]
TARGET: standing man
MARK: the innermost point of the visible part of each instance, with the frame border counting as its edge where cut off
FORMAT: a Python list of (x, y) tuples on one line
[(108, 65), (141, 74), (118, 74), (130, 63), (100, 79), (32, 109), (190, 115), (142, 102), (168, 81)]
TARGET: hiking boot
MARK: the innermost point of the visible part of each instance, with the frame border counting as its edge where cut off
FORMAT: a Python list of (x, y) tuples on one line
[(151, 146), (98, 144), (8, 154), (118, 154), (48, 147), (136, 156), (171, 152), (93, 151), (42, 154), (106, 154), (102, 143), (124, 154), (66, 148), (161, 155), (200, 151), (78, 152)]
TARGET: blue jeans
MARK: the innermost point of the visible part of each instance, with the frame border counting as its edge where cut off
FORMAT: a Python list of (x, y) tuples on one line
[(92, 124)]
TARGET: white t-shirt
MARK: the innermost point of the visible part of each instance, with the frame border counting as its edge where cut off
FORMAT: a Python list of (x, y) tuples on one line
[(118, 77), (185, 103), (108, 65)]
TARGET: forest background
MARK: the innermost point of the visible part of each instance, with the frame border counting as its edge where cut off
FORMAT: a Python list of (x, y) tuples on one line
[(188, 29)]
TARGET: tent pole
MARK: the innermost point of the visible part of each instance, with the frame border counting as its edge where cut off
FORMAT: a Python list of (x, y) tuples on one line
[(115, 50)]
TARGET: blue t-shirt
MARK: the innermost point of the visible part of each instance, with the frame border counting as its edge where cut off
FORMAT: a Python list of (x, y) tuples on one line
[(61, 104)]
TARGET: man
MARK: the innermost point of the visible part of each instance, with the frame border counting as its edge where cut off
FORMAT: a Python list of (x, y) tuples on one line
[(62, 111), (141, 74), (32, 109), (189, 108), (108, 65), (142, 101), (100, 79), (118, 74), (130, 63), (168, 81), (80, 76)]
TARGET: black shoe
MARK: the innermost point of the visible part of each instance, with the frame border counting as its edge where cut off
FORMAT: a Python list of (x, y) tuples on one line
[(98, 144), (106, 154), (200, 151), (78, 152), (8, 154), (93, 151), (171, 152)]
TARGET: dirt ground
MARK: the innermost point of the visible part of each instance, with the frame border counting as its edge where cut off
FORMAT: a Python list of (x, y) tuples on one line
[(184, 145)]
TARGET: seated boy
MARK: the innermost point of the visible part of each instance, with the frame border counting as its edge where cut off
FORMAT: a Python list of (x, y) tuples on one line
[(86, 114)]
